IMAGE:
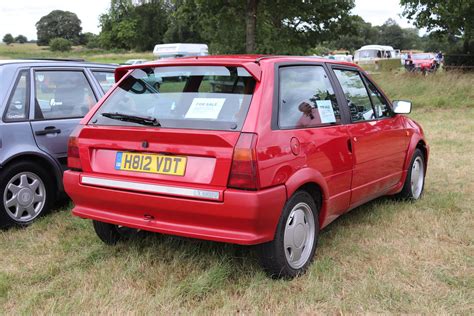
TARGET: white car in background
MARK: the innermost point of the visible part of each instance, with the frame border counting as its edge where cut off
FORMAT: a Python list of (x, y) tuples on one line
[(370, 53), (343, 57), (135, 61), (176, 50)]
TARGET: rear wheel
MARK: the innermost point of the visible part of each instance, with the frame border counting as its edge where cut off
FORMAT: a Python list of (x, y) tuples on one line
[(293, 248), (415, 181), (111, 234), (27, 192)]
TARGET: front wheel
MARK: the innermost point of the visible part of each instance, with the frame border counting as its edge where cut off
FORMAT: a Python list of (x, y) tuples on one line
[(415, 181), (294, 245)]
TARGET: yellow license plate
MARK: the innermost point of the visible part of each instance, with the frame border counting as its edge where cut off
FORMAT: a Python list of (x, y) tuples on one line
[(151, 163)]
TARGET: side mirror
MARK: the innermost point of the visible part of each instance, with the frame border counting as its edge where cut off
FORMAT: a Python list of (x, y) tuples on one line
[(401, 107)]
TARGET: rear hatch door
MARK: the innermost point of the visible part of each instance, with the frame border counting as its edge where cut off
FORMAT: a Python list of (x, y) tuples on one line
[(174, 126)]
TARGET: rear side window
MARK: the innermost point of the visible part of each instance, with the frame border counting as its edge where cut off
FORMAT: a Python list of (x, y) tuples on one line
[(306, 98), (356, 94), (62, 94), (106, 79), (195, 97), (17, 107)]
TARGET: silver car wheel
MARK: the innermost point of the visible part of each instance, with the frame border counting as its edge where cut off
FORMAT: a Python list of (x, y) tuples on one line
[(417, 177), (24, 197), (299, 233)]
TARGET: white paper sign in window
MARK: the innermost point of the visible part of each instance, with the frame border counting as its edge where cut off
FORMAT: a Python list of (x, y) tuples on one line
[(205, 108), (326, 112)]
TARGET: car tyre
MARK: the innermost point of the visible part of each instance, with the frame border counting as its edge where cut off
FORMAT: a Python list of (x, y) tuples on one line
[(27, 192), (111, 234), (296, 236), (415, 180)]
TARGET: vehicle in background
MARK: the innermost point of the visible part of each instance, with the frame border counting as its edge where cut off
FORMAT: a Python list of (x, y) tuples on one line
[(41, 102), (423, 62), (405, 54), (342, 57), (176, 50), (135, 61), (371, 53), (251, 150)]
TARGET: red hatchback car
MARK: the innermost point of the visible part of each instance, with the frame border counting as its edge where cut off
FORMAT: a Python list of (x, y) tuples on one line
[(242, 149)]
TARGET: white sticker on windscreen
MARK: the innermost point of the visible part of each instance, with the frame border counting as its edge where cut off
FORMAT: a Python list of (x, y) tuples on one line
[(326, 112), (205, 108)]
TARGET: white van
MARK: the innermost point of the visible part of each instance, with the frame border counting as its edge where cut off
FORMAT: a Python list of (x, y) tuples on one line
[(370, 53), (176, 50)]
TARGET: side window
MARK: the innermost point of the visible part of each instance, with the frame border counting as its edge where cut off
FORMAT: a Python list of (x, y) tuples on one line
[(17, 107), (306, 98), (356, 94), (382, 109), (106, 79), (62, 94)]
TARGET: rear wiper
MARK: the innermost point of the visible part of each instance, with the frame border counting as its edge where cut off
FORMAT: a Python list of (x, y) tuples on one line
[(144, 120)]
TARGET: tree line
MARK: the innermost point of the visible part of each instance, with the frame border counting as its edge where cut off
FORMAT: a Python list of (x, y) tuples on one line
[(264, 26), (9, 39), (252, 26)]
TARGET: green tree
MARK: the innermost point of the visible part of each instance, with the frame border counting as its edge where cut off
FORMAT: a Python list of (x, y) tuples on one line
[(151, 24), (263, 26), (319, 50), (134, 24), (59, 45), (294, 27), (8, 39), (222, 25), (358, 33), (411, 39), (21, 39), (183, 23), (435, 42), (57, 23), (251, 26), (451, 17), (390, 33), (86, 37), (118, 25)]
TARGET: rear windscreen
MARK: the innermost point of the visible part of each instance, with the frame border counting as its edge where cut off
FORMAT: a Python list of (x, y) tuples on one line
[(195, 97)]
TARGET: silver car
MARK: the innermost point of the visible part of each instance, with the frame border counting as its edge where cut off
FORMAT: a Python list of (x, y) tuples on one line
[(41, 101)]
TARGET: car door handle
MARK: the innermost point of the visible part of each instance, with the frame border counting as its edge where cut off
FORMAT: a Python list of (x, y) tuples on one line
[(349, 145), (48, 130)]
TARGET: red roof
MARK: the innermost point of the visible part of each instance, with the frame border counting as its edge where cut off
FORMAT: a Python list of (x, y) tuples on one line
[(249, 62)]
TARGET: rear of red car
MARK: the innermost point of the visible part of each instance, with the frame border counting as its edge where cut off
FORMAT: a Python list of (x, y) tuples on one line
[(165, 152), (424, 62)]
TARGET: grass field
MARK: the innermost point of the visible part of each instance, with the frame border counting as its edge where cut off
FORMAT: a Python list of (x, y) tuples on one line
[(96, 55), (385, 256)]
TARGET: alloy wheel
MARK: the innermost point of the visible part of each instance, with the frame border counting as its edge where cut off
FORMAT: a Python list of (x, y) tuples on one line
[(24, 197)]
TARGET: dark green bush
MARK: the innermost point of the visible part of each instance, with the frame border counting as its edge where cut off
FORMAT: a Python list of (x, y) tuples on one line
[(59, 45), (459, 62)]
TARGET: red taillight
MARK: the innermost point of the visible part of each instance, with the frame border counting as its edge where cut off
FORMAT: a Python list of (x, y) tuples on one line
[(73, 160), (244, 170)]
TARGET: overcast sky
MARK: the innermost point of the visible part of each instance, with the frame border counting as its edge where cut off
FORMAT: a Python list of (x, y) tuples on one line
[(20, 16)]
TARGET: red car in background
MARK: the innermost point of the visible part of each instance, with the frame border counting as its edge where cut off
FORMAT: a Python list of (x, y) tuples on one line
[(424, 62), (242, 149)]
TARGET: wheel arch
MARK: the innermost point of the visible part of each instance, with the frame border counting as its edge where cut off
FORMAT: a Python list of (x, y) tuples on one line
[(424, 149), (416, 142), (46, 162), (314, 183)]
